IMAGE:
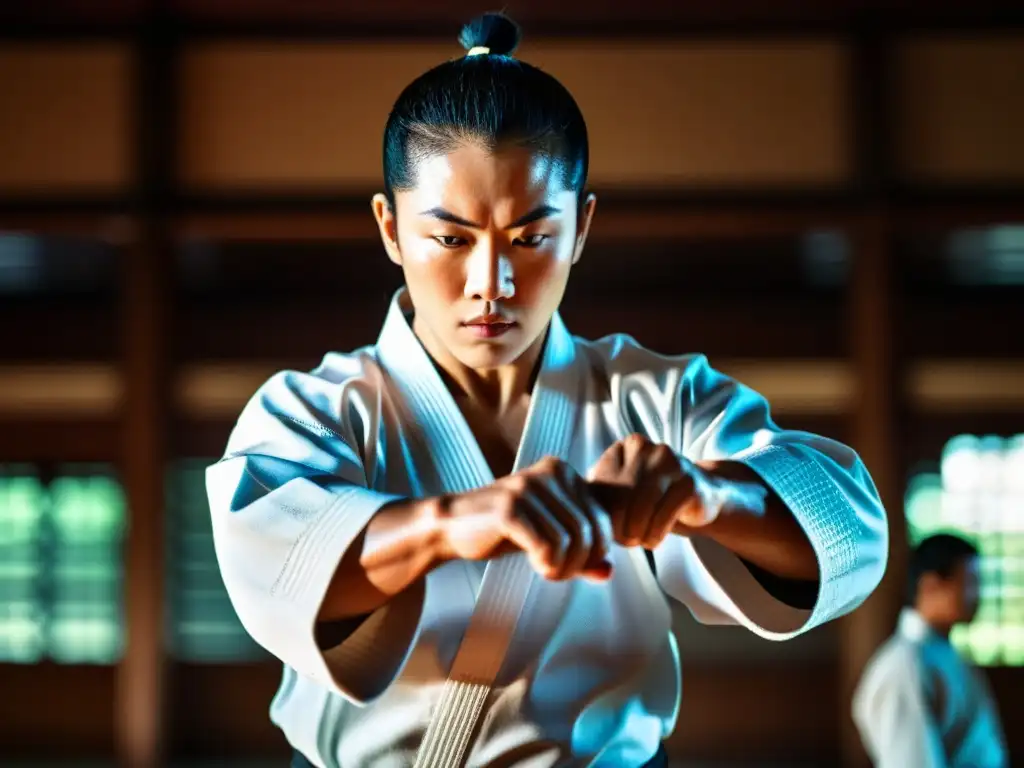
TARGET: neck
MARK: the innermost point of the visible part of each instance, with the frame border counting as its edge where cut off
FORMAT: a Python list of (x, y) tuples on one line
[(495, 389), (940, 627)]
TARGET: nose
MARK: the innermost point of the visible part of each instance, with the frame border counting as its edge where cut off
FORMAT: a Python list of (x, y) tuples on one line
[(489, 275)]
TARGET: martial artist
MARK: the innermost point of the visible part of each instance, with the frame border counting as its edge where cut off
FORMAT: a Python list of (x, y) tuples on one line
[(919, 703), (444, 536)]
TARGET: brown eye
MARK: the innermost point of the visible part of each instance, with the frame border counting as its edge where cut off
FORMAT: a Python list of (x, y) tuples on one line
[(450, 241), (530, 241)]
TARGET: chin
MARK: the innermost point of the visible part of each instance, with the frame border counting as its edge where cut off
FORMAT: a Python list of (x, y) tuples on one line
[(485, 357)]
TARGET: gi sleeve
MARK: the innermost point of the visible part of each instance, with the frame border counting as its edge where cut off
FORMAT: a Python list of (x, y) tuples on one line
[(703, 414), (288, 499)]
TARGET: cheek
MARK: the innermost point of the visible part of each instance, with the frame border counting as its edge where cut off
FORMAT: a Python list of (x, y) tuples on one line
[(438, 272), (544, 273)]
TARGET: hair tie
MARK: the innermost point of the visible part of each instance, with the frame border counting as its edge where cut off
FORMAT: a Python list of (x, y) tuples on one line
[(476, 50)]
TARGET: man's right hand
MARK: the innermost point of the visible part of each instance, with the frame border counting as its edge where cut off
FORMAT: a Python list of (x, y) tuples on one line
[(544, 511)]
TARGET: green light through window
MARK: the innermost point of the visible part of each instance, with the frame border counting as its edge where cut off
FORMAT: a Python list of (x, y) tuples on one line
[(60, 566), (203, 625), (979, 494)]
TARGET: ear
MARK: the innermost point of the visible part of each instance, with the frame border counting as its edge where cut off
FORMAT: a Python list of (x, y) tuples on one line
[(388, 226), (583, 225)]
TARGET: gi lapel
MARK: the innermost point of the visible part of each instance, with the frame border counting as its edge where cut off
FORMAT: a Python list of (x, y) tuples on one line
[(461, 466), (433, 414)]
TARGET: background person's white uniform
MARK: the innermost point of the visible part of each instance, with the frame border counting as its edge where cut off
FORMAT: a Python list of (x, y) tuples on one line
[(592, 670), (921, 705)]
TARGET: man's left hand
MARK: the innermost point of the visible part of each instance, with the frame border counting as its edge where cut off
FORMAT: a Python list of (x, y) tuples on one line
[(662, 491)]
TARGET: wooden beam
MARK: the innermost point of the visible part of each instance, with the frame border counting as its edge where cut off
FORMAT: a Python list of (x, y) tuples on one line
[(344, 225), (72, 439), (962, 323), (927, 432), (409, 19), (870, 90), (138, 703), (874, 436), (952, 209), (140, 720), (871, 298), (406, 18), (64, 391), (115, 229), (966, 386)]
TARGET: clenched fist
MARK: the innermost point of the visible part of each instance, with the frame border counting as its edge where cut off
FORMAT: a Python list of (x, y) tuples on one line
[(656, 490), (546, 511)]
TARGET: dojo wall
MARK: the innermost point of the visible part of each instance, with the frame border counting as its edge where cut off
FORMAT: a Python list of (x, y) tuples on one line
[(765, 194)]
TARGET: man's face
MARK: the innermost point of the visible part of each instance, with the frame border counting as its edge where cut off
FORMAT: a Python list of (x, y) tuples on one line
[(486, 240), (954, 599)]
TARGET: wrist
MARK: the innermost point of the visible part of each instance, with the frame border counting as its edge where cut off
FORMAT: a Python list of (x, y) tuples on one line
[(405, 531), (431, 516), (725, 491)]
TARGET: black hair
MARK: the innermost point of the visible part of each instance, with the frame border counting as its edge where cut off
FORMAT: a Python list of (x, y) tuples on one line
[(487, 97), (939, 554)]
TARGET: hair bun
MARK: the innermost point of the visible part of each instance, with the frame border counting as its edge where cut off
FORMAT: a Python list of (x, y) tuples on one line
[(494, 31)]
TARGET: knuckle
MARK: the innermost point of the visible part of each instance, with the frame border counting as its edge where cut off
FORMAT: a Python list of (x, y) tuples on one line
[(507, 511), (512, 497), (635, 441), (543, 550), (517, 485), (550, 463), (662, 454)]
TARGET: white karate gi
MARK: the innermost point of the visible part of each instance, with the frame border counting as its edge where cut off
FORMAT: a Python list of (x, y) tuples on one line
[(592, 675), (920, 705)]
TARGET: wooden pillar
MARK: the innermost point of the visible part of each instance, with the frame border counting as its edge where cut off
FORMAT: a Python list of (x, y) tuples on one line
[(140, 715), (871, 333), (875, 436)]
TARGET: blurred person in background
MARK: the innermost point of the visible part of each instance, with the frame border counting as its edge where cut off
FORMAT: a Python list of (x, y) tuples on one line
[(460, 541), (920, 704)]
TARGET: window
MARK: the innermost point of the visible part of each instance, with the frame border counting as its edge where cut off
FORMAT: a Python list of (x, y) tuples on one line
[(203, 625), (978, 493), (987, 256), (339, 298), (956, 280), (64, 291), (60, 566), (963, 259)]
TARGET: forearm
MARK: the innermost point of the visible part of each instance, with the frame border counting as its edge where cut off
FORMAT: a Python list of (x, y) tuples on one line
[(396, 549), (752, 522)]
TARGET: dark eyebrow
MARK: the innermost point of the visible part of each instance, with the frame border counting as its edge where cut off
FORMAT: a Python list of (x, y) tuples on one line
[(536, 214), (443, 215)]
